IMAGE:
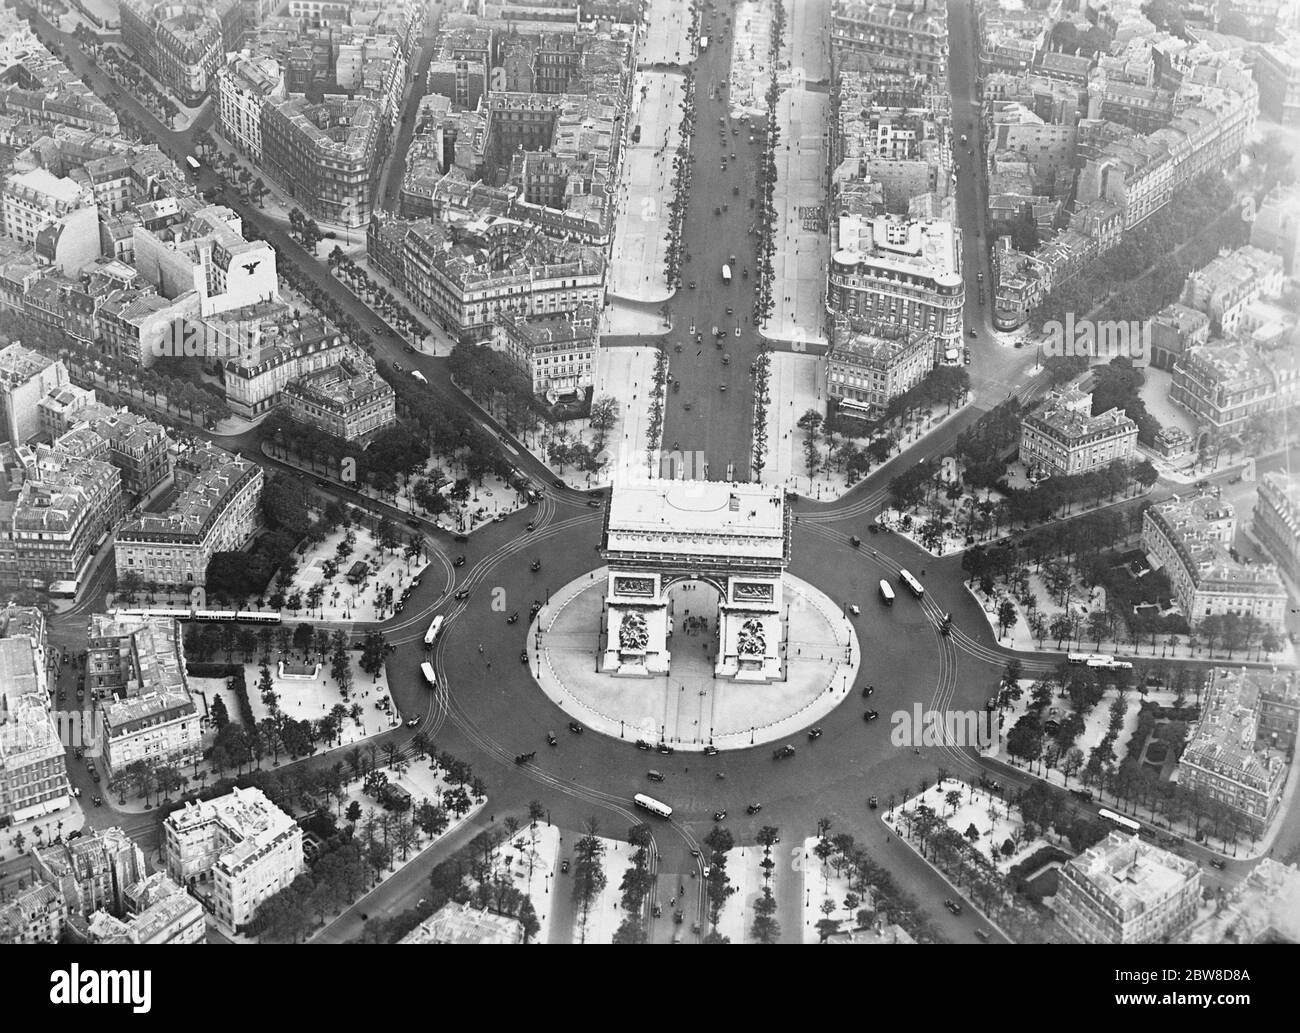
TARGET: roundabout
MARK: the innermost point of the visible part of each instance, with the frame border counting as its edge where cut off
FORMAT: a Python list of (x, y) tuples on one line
[(689, 706)]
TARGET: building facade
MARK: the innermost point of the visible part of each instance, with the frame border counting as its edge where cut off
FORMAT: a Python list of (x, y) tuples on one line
[(1277, 520), (866, 369), (1063, 438)]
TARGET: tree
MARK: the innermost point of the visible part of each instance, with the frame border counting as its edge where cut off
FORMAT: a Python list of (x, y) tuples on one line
[(1007, 616)]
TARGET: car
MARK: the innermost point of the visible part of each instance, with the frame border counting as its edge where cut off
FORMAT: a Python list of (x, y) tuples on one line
[(872, 802), (710, 751), (695, 852), (753, 808), (559, 483), (523, 656), (535, 566), (415, 582), (1217, 863), (379, 328), (706, 871), (459, 561), (665, 749), (871, 715), (785, 751), (692, 285), (719, 815), (98, 801), (513, 618), (952, 906), (80, 753), (982, 934), (575, 728), (730, 311), (75, 834), (594, 503), (855, 541), (413, 522), (551, 739), (413, 722), (94, 777), (814, 733), (991, 703), (1081, 794), (409, 348), (854, 609), (641, 744), (534, 610), (972, 332), (397, 366), (867, 690), (655, 776), (76, 791), (564, 867), (462, 593)]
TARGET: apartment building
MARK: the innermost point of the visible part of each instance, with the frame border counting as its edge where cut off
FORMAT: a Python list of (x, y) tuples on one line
[(557, 352), (159, 727), (905, 35), (1276, 520), (1175, 329), (26, 377), (274, 345), (1229, 756), (241, 844), (1225, 287), (35, 915), (349, 400), (55, 508), (326, 155), (462, 923), (130, 656), (1064, 438), (1277, 70), (218, 507), (182, 45), (1126, 891), (92, 873), (33, 772), (245, 85), (895, 271), (1189, 538), (868, 366), (1277, 226), (1225, 385), (158, 912)]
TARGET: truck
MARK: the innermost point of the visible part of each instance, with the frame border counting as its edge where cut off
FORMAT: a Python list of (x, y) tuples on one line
[(704, 43), (726, 274)]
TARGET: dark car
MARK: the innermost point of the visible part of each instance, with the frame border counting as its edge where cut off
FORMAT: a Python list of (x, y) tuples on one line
[(753, 808), (719, 815), (459, 561), (322, 484), (534, 610), (952, 906), (559, 483), (710, 751), (1217, 863), (462, 593), (814, 733), (594, 504), (871, 715), (551, 739), (412, 522), (379, 328), (641, 744), (98, 801), (564, 867), (982, 934), (873, 528), (872, 802), (535, 566), (397, 366), (575, 728), (523, 656), (855, 541), (513, 617), (785, 751), (867, 690), (75, 834), (1081, 794), (531, 525), (665, 749)]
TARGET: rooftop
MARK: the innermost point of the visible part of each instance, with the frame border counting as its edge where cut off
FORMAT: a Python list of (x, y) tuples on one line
[(710, 518)]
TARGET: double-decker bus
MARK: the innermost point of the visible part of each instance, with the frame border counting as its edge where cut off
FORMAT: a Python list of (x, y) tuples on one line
[(1125, 823), (913, 585), (426, 669), (434, 627), (649, 803)]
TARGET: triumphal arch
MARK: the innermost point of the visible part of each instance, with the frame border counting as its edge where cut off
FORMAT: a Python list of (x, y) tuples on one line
[(734, 537)]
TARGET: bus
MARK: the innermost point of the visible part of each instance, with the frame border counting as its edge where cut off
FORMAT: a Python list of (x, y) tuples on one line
[(726, 273), (886, 592), (426, 669), (1111, 665), (1125, 823), (435, 626), (649, 803), (192, 162), (911, 582), (419, 376), (1085, 658), (704, 42)]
